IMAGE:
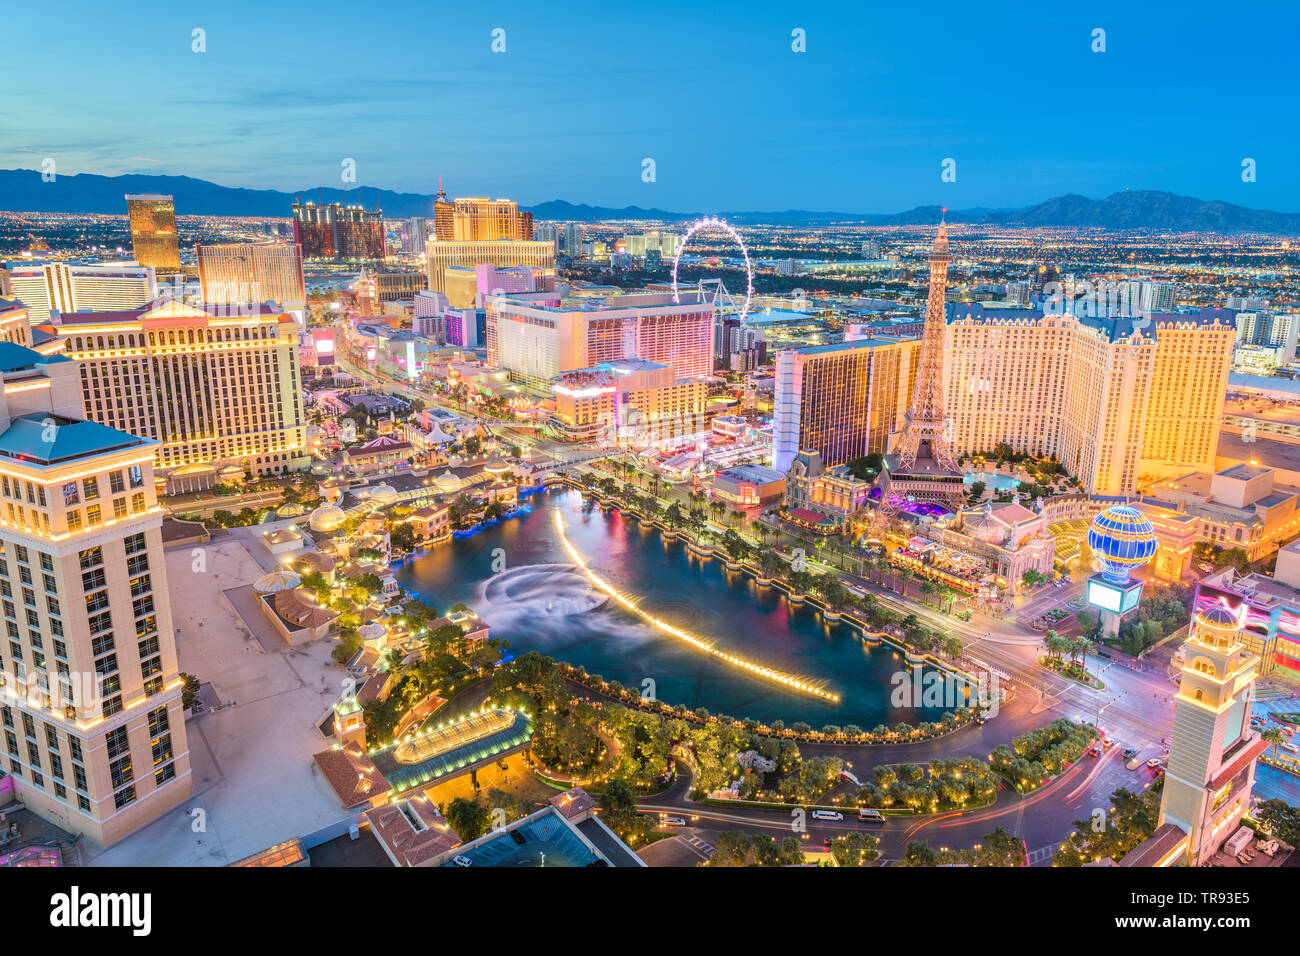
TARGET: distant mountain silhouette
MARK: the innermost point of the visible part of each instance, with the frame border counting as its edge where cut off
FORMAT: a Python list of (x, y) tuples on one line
[(22, 190)]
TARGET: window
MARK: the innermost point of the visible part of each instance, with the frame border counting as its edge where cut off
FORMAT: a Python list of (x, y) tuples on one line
[(123, 797), (115, 483), (70, 495), (91, 557), (158, 723), (117, 742), (90, 488)]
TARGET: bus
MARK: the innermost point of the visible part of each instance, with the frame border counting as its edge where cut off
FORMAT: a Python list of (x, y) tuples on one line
[(870, 816), (827, 815)]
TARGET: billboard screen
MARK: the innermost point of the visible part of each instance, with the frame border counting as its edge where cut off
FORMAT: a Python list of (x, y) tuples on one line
[(1105, 596)]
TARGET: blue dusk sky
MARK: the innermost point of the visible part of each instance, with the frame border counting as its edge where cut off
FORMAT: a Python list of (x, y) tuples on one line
[(733, 118)]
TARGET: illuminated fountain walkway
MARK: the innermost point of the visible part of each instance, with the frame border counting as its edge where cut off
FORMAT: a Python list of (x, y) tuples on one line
[(790, 681)]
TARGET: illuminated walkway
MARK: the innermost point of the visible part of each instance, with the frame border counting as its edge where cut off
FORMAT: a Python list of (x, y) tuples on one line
[(791, 681)]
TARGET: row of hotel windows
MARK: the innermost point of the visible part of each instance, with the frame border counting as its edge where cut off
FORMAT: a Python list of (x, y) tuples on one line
[(121, 769), (34, 494), (94, 585), (174, 337)]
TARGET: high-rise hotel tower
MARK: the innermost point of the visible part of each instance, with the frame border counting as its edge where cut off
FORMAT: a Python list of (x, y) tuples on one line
[(1112, 398), (153, 231), (842, 401), (90, 694), (240, 273), (216, 388)]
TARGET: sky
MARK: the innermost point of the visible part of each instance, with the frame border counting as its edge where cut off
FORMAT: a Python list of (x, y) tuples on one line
[(733, 118)]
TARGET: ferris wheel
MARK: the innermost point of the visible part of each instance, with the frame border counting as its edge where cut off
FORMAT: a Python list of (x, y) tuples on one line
[(713, 222)]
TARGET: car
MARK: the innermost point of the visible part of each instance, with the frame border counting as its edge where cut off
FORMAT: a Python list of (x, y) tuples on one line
[(1154, 762), (518, 837), (1291, 748), (1129, 753), (672, 821), (1160, 771), (870, 816), (462, 860), (1108, 743), (1094, 752)]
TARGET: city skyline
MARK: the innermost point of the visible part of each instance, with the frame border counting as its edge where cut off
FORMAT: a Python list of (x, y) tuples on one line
[(861, 121)]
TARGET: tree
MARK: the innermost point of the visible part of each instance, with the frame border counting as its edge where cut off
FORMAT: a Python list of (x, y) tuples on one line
[(1275, 736), (189, 692), (618, 811), (402, 536), (1280, 819), (976, 491), (1131, 820), (468, 818), (855, 849), (738, 848)]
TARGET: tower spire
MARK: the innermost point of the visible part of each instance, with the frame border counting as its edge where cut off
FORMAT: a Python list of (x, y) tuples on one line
[(923, 465)]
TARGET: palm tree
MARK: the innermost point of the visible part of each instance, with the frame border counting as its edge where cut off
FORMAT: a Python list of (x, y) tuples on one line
[(717, 508), (1055, 645), (737, 517), (769, 562), (928, 589), (1079, 647), (1275, 736), (953, 646)]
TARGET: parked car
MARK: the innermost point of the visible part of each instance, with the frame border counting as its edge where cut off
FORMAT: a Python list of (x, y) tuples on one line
[(1154, 762), (461, 860)]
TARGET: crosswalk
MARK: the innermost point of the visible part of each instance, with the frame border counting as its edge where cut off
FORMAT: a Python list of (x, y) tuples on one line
[(702, 847), (1041, 855)]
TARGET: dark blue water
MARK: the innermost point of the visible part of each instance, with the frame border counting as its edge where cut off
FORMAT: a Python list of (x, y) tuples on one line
[(538, 600)]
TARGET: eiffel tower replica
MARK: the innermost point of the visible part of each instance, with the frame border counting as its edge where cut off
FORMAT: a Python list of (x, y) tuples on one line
[(922, 466)]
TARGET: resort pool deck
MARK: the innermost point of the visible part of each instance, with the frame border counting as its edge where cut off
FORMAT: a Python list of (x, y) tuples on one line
[(547, 841), (992, 480)]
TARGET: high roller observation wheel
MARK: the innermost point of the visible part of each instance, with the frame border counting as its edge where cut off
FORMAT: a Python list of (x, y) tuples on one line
[(713, 222)]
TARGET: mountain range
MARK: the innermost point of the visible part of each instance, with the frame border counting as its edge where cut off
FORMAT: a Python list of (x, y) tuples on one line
[(23, 190)]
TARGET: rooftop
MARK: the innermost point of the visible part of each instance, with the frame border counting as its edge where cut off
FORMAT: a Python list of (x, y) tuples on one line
[(48, 439)]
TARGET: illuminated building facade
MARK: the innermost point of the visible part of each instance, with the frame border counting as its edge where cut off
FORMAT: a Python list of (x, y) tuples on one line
[(91, 701), (240, 273), (1213, 749), (15, 322), (841, 401), (1114, 399), (440, 254), (477, 218), (626, 401), (152, 219), (73, 287), (469, 286), (835, 492), (338, 232), (539, 336), (213, 390), (1268, 609)]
